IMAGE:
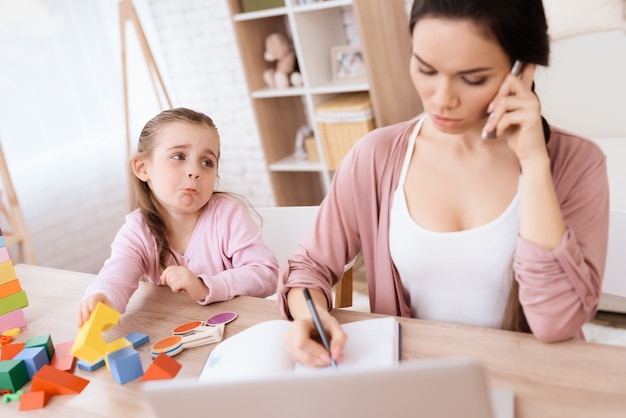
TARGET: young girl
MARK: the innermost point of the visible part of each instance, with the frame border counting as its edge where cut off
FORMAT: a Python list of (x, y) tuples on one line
[(185, 234), (455, 226)]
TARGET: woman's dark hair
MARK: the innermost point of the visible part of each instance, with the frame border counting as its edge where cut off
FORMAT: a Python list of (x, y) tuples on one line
[(519, 26)]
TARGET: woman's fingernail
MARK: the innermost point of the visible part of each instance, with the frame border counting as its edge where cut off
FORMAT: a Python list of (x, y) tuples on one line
[(490, 108)]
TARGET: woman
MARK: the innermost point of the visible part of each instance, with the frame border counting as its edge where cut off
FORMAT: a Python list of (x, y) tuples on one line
[(509, 232)]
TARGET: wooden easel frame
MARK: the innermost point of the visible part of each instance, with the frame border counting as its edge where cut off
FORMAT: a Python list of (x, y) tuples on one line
[(19, 234), (127, 13)]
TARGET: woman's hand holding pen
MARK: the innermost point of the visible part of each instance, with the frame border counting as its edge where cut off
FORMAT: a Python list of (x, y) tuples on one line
[(515, 114), (302, 339)]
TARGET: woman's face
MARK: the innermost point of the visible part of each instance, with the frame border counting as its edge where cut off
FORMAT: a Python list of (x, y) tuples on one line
[(457, 70)]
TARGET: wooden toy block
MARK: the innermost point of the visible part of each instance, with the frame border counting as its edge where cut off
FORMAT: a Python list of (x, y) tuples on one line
[(2, 244), (125, 365), (115, 346), (14, 319), (89, 344), (57, 382), (137, 339), (9, 288), (34, 400), (7, 272), (44, 341), (162, 367), (34, 358), (9, 397), (9, 351), (13, 374), (4, 253), (90, 367), (13, 302), (63, 358)]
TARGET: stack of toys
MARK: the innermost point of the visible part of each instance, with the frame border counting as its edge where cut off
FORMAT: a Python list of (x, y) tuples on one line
[(12, 297)]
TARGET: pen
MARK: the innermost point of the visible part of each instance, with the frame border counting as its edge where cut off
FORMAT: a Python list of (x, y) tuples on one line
[(318, 325), (516, 70)]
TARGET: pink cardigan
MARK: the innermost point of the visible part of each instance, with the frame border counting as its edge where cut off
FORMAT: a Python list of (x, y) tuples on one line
[(226, 251), (559, 290)]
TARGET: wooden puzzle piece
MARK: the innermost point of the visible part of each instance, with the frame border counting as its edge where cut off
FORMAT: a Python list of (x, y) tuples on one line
[(89, 344)]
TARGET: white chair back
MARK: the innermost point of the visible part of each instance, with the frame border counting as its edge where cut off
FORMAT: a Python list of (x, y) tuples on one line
[(615, 273), (284, 226)]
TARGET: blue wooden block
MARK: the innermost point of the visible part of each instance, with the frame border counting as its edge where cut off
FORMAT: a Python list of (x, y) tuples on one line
[(90, 367), (13, 374), (44, 341), (125, 365), (34, 359), (137, 339)]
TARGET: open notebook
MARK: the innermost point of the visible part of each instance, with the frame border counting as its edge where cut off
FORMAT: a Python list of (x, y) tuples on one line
[(250, 374)]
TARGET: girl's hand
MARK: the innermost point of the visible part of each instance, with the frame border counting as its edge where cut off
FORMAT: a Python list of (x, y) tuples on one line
[(180, 279), (308, 351), (88, 304), (516, 116)]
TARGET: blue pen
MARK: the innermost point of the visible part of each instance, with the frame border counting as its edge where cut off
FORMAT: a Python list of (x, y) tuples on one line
[(318, 325)]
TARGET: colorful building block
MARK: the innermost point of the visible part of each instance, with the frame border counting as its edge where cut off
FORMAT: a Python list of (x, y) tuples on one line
[(34, 400), (90, 367), (9, 351), (44, 341), (4, 253), (113, 347), (57, 382), (12, 302), (89, 344), (137, 339), (63, 358), (162, 367), (13, 374), (34, 359), (125, 365), (8, 397), (13, 319), (9, 288), (7, 272)]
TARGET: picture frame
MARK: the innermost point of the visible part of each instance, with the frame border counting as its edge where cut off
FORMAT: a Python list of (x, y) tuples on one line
[(348, 63)]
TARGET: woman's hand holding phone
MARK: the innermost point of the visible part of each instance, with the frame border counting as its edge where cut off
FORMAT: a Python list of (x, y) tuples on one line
[(515, 114)]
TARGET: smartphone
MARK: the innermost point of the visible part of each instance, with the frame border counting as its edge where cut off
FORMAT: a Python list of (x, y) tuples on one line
[(516, 70)]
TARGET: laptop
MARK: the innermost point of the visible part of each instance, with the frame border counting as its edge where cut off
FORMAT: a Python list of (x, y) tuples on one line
[(434, 388)]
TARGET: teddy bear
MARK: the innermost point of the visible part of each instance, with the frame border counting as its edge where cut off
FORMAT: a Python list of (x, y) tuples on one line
[(284, 73)]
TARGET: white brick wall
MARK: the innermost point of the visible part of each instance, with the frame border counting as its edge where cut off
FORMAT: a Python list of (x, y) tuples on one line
[(74, 197)]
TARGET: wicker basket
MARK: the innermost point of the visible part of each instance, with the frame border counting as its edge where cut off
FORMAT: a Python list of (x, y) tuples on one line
[(341, 122)]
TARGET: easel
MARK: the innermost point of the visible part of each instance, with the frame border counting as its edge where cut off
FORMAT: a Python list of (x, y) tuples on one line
[(18, 235), (128, 13)]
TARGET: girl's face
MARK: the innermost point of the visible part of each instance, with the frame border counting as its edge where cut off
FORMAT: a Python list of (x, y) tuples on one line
[(457, 70), (182, 169)]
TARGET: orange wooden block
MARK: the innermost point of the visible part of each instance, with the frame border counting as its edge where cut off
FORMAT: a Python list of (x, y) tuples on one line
[(34, 400), (162, 367), (57, 382), (63, 358), (9, 288), (8, 351)]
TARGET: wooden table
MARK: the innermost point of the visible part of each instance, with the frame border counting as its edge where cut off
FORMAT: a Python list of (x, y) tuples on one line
[(571, 379)]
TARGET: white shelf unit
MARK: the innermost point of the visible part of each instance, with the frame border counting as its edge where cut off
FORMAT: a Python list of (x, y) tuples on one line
[(314, 29)]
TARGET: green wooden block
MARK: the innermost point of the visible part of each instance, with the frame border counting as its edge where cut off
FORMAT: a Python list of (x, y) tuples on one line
[(13, 375), (254, 5), (44, 341), (13, 302)]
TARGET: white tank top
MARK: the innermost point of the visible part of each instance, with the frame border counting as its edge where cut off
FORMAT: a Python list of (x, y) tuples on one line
[(460, 277)]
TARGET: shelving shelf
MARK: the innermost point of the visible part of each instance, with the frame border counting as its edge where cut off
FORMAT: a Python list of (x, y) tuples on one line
[(314, 29)]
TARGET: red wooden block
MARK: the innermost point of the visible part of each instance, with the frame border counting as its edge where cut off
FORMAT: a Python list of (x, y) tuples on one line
[(63, 358), (162, 367), (8, 351), (34, 400), (57, 382)]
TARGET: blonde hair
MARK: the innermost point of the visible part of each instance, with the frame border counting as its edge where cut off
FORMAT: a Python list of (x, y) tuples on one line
[(142, 196)]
